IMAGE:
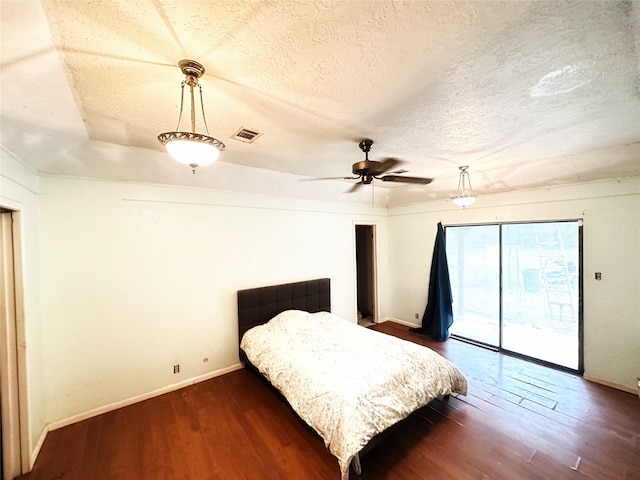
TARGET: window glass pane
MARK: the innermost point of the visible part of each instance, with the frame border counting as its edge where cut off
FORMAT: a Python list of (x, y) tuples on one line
[(540, 291), (474, 260)]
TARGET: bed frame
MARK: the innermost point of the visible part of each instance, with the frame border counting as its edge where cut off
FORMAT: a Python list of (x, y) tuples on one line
[(259, 305)]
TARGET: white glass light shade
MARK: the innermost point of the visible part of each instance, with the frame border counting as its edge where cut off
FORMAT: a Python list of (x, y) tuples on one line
[(192, 149), (464, 201), (191, 152)]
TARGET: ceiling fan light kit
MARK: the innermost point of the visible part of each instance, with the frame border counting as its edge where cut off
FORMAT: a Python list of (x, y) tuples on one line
[(191, 148), (464, 195)]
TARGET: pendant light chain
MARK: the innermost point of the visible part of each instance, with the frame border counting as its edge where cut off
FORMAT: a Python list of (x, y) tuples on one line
[(193, 110), (181, 105), (373, 197), (204, 119)]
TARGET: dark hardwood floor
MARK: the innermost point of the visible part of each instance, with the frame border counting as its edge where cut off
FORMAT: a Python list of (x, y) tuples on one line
[(519, 421)]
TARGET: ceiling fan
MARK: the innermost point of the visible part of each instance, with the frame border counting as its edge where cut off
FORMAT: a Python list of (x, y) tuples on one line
[(366, 170)]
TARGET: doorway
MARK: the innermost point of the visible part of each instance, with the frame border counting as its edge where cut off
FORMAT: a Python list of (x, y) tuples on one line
[(366, 274), (13, 439)]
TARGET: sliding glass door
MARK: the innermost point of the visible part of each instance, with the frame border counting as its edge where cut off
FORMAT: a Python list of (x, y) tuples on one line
[(516, 286)]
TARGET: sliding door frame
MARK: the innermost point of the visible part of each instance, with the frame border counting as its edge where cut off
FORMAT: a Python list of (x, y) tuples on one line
[(499, 347)]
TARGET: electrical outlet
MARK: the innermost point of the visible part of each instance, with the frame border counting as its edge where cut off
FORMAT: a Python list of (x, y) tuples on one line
[(205, 359), (176, 369), (417, 316)]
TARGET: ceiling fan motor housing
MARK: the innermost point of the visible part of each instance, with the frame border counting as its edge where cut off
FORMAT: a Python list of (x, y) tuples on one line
[(364, 167)]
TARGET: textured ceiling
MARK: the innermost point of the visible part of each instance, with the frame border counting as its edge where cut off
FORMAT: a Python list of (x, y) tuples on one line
[(528, 93)]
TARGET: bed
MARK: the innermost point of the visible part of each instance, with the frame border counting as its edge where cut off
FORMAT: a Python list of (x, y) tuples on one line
[(334, 374)]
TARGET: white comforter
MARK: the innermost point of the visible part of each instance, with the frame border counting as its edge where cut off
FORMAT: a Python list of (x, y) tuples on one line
[(347, 382)]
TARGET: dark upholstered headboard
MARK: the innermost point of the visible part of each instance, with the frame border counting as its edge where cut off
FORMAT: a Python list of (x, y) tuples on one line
[(259, 305)]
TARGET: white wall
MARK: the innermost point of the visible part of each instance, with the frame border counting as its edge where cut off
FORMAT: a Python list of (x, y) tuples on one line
[(138, 278), (19, 187), (611, 245)]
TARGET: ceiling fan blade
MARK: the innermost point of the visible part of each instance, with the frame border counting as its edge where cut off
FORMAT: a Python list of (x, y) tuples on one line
[(355, 187), (385, 165), (403, 179)]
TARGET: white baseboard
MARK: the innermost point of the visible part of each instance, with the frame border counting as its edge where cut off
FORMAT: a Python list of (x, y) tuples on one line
[(607, 383), (401, 322), (138, 398), (35, 451)]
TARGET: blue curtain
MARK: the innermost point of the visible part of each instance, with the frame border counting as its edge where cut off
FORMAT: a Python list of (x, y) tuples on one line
[(438, 316)]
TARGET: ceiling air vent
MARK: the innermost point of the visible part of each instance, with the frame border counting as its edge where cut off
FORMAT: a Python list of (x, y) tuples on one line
[(246, 135)]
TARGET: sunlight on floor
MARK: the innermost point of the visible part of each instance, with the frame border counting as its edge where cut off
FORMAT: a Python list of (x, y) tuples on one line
[(544, 343)]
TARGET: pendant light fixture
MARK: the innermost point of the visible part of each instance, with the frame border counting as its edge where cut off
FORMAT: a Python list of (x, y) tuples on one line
[(188, 147), (464, 195)]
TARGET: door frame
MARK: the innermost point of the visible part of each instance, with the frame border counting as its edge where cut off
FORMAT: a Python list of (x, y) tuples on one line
[(373, 260), (13, 381)]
